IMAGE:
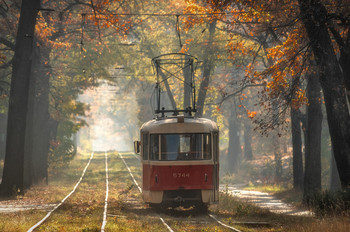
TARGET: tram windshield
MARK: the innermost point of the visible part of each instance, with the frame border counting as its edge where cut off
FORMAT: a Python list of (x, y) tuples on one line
[(180, 147)]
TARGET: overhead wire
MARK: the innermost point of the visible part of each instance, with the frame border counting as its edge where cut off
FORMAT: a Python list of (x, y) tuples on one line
[(163, 14)]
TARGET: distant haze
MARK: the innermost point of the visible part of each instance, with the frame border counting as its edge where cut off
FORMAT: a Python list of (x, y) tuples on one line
[(111, 119)]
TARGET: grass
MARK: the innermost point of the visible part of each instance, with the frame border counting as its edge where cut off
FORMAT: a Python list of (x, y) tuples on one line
[(266, 188)]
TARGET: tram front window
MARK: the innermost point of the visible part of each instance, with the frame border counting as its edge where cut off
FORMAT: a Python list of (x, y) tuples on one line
[(181, 147)]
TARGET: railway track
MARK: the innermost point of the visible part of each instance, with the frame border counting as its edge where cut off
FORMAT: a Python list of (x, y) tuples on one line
[(194, 221), (44, 225), (117, 204), (64, 199)]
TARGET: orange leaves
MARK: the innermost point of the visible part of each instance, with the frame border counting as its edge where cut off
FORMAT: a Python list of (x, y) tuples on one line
[(43, 30), (251, 114), (197, 7), (299, 99), (105, 15), (185, 47)]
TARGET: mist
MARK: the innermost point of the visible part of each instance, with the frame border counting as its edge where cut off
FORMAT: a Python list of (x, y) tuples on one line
[(111, 120)]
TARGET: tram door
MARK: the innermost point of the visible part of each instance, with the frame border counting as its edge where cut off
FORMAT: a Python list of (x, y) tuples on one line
[(216, 166)]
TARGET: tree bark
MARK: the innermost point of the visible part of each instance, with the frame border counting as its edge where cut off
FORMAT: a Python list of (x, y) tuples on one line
[(334, 180), (248, 153), (187, 83), (13, 179), (40, 134), (234, 147), (314, 17), (345, 61), (298, 170), (276, 145), (28, 147), (166, 84), (312, 178), (207, 67)]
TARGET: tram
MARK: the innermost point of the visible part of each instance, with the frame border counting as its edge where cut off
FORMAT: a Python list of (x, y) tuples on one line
[(180, 159)]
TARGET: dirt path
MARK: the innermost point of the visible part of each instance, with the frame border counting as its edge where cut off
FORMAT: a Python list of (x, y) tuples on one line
[(264, 200), (12, 206)]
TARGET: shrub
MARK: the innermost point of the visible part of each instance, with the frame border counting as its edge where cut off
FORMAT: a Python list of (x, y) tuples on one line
[(329, 203)]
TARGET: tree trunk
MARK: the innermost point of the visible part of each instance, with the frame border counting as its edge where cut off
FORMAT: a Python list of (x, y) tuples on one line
[(298, 170), (13, 179), (28, 147), (276, 145), (344, 61), (37, 137), (234, 147), (166, 84), (187, 83), (314, 17), (334, 180), (207, 67), (248, 153), (312, 178), (40, 135)]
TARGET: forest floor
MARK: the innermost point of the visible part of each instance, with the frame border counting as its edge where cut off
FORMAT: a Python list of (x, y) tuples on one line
[(249, 211), (261, 199)]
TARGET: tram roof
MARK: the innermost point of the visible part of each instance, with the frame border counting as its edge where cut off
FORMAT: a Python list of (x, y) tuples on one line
[(179, 124)]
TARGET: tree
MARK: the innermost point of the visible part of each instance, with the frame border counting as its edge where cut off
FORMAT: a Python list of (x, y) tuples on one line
[(38, 123), (314, 17), (234, 146), (316, 20), (13, 179), (298, 167), (208, 65), (312, 178)]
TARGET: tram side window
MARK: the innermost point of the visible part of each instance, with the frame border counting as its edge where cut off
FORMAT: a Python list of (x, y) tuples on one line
[(215, 146), (145, 146), (154, 143), (206, 147)]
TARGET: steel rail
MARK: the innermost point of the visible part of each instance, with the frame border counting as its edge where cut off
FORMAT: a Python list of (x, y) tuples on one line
[(64, 199), (223, 224), (104, 222), (132, 176)]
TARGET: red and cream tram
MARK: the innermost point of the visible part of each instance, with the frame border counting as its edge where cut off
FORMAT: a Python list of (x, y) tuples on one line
[(180, 154), (180, 163)]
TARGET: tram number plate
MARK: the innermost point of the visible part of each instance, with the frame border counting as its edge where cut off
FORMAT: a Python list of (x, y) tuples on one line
[(181, 175)]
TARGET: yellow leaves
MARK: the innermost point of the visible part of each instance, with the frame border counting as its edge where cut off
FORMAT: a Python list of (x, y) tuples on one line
[(2, 58)]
